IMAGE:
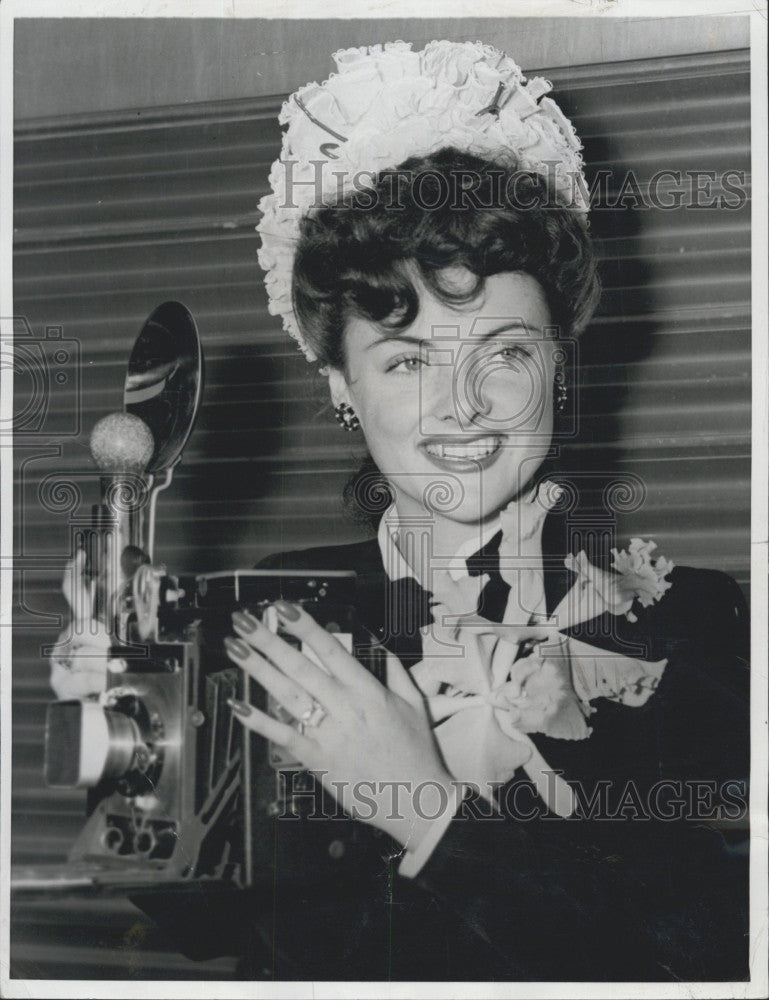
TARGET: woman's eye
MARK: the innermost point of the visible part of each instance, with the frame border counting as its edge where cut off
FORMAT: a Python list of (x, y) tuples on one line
[(410, 363), (512, 352)]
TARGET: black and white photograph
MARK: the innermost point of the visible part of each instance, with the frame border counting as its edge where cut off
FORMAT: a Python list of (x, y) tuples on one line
[(384, 500)]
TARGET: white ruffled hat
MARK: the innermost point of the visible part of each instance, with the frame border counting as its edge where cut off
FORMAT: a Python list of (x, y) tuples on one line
[(387, 104)]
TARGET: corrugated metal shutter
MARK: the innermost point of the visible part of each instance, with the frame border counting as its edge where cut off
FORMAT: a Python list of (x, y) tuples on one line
[(114, 215), (673, 404)]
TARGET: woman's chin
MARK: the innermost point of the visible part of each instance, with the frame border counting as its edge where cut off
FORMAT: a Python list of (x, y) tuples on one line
[(472, 513), (465, 497)]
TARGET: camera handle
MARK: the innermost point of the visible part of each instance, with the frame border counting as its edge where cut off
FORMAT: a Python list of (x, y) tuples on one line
[(136, 452)]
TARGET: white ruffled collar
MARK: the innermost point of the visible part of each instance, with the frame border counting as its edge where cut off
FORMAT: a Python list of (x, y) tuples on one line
[(524, 674)]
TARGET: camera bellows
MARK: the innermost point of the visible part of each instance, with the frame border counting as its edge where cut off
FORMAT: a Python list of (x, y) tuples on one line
[(121, 442)]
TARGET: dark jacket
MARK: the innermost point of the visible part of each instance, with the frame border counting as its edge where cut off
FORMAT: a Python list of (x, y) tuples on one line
[(624, 894)]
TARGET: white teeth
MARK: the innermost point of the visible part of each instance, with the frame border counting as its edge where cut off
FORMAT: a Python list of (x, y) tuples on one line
[(472, 450)]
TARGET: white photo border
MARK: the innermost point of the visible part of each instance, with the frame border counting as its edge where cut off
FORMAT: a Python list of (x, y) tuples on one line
[(646, 9)]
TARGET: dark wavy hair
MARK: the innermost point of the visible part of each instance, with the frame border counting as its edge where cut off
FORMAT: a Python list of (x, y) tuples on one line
[(356, 258), (352, 257)]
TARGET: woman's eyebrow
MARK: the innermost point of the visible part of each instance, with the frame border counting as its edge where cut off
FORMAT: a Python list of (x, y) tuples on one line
[(517, 324), (386, 338), (419, 341)]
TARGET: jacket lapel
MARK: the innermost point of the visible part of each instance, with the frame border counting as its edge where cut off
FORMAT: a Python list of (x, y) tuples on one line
[(397, 609)]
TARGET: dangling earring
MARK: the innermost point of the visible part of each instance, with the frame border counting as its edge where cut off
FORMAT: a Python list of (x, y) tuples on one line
[(561, 390), (346, 417)]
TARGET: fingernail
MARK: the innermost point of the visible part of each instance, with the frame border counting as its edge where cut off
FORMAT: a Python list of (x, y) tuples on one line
[(287, 611), (237, 647), (244, 621), (239, 707)]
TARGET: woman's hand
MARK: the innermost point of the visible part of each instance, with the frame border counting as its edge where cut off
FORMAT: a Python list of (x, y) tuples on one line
[(371, 746), (80, 656)]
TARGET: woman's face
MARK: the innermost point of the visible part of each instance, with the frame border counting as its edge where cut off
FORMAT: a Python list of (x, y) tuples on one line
[(457, 409)]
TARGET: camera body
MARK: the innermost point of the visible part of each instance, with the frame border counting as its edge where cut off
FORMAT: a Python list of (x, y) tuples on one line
[(178, 789)]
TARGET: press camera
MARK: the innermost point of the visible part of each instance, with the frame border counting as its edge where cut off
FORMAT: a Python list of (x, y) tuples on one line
[(177, 789)]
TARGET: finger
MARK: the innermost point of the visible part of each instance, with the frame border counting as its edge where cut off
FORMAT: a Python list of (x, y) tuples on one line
[(73, 577), (68, 580), (286, 657), (76, 591), (278, 732), (292, 697), (326, 647), (400, 683), (300, 678)]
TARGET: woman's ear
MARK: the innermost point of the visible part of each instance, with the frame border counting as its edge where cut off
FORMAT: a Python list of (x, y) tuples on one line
[(337, 385)]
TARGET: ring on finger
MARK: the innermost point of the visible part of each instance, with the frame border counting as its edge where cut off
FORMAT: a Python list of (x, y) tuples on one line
[(313, 717)]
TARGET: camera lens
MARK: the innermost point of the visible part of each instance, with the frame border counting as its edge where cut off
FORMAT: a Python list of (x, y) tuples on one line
[(85, 743), (123, 744)]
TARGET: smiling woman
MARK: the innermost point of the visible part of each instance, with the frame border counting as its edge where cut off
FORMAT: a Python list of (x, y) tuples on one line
[(460, 404), (444, 325), (537, 753), (486, 291)]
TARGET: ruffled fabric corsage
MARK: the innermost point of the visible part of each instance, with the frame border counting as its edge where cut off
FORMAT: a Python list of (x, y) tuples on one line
[(490, 684)]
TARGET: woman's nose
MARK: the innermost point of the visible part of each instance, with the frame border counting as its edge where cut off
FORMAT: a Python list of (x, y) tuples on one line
[(457, 393)]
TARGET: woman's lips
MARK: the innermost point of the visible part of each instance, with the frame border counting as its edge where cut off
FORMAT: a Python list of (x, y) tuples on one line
[(457, 455)]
